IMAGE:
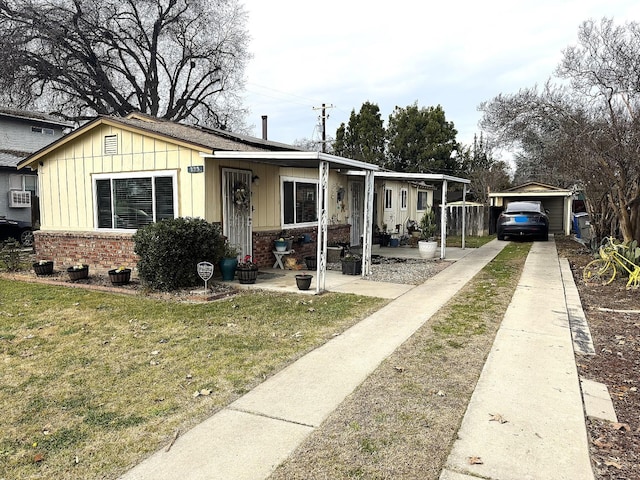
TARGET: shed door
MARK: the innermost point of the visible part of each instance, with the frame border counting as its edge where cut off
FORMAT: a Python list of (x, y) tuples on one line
[(555, 206), (237, 209)]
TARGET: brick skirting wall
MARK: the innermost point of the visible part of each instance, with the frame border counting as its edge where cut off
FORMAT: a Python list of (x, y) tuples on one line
[(263, 242), (104, 251), (100, 250)]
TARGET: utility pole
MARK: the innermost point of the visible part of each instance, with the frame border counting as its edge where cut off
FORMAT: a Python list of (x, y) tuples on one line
[(323, 119)]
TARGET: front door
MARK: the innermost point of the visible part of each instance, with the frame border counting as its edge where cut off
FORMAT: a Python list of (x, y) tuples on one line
[(237, 209), (356, 207)]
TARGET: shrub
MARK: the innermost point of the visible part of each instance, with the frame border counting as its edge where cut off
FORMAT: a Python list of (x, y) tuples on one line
[(170, 251), (10, 257)]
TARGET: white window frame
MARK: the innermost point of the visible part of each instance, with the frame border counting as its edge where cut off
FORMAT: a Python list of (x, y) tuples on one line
[(388, 199), (19, 182), (426, 205), (114, 176), (295, 181), (404, 199)]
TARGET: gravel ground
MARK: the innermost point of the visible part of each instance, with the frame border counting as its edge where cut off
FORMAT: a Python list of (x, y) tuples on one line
[(408, 271)]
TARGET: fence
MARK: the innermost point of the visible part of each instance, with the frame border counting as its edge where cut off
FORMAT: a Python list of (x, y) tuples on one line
[(476, 223)]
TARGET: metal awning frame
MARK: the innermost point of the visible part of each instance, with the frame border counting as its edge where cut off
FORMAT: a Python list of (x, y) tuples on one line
[(323, 162)]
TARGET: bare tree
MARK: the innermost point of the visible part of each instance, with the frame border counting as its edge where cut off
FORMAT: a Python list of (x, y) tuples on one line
[(176, 59), (586, 131), (485, 172)]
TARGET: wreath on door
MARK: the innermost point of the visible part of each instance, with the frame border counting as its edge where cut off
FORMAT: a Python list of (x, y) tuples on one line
[(241, 196)]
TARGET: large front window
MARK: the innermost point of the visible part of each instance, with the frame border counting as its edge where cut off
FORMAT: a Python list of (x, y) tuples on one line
[(130, 202), (299, 202)]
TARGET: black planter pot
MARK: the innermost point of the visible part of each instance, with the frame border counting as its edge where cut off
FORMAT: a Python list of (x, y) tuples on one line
[(247, 275), (384, 238), (351, 267), (303, 281), (311, 262), (78, 273), (43, 269), (122, 277)]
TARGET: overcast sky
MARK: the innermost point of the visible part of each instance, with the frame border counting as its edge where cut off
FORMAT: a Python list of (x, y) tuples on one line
[(451, 53)]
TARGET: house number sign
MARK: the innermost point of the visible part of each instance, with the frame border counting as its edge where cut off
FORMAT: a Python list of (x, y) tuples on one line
[(205, 270), (195, 168)]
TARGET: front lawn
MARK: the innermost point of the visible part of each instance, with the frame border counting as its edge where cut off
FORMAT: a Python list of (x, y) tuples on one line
[(93, 382)]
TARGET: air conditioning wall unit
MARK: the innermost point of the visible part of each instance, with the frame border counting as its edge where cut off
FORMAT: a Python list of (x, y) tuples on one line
[(19, 198)]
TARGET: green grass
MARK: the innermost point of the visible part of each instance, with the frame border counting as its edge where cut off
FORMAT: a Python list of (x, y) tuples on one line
[(467, 316), (92, 382), (469, 242)]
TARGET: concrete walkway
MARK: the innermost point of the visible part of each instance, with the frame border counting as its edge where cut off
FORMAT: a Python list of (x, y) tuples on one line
[(530, 380), (251, 437)]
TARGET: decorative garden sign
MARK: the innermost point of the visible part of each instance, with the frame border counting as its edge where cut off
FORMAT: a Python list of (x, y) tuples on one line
[(205, 270)]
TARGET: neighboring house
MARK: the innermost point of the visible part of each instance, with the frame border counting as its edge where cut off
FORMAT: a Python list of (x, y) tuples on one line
[(109, 177), (556, 201), (22, 133)]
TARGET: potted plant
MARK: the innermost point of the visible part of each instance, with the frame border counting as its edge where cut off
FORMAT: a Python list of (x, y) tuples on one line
[(351, 264), (120, 275), (311, 261), (229, 262), (78, 272), (427, 245), (247, 270), (43, 267), (303, 281), (334, 252), (384, 237), (281, 245)]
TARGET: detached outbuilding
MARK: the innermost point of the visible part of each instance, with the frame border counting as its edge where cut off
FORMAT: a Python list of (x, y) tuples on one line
[(556, 201)]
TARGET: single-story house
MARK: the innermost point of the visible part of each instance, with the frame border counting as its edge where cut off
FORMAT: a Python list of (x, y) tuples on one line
[(557, 202), (113, 175)]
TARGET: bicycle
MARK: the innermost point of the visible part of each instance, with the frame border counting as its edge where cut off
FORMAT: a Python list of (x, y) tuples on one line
[(604, 269)]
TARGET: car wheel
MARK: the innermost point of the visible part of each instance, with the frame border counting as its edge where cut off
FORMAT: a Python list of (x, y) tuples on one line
[(500, 236), (26, 238)]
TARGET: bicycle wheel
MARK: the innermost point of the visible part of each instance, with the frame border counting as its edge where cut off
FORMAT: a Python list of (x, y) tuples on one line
[(599, 271)]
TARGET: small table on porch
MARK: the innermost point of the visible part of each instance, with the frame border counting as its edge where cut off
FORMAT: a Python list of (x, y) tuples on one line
[(279, 256)]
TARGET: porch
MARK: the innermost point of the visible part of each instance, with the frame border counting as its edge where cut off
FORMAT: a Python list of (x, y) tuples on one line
[(275, 279)]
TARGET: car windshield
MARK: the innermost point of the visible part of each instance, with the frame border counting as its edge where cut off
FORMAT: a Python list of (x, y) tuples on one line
[(523, 207)]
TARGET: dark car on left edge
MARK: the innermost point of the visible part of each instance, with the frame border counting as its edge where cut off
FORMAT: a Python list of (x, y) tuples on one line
[(18, 229), (523, 219)]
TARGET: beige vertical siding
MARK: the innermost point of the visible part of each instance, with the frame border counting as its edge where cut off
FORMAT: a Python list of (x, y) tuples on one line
[(66, 175)]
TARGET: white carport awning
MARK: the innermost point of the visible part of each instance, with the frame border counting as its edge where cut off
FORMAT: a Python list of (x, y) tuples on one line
[(431, 177)]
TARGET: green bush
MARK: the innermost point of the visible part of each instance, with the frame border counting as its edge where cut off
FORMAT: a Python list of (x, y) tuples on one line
[(10, 257), (170, 251)]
